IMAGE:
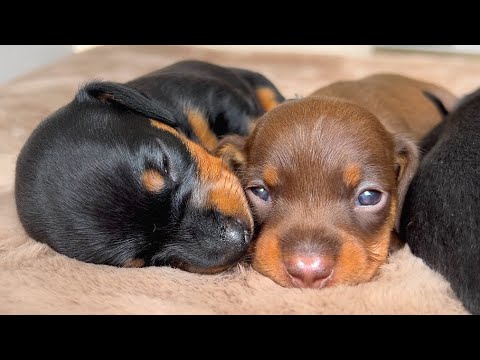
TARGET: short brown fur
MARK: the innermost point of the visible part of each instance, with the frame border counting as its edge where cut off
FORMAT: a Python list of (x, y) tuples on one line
[(398, 101), (325, 149)]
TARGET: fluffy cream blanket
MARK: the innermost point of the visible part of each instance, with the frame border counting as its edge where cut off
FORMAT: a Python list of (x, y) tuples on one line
[(36, 280)]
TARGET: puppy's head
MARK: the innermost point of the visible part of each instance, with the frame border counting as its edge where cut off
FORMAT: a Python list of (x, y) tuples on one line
[(131, 189), (324, 179), (210, 225), (199, 216)]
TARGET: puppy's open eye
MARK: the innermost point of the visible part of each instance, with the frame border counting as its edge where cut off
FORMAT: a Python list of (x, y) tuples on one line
[(369, 198), (261, 192)]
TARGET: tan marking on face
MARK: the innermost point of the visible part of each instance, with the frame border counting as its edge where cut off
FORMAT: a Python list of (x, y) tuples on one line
[(352, 175), (202, 131), (266, 98), (153, 181), (267, 257), (359, 260), (134, 263), (351, 262), (225, 192), (270, 176)]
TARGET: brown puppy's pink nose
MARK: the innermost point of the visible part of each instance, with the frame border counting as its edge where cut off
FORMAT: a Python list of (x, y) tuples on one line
[(309, 271)]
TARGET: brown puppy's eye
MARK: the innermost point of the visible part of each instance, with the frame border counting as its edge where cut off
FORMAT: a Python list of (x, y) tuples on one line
[(369, 198), (260, 192)]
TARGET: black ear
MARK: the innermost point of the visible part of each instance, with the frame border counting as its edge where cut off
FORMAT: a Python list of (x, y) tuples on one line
[(123, 95)]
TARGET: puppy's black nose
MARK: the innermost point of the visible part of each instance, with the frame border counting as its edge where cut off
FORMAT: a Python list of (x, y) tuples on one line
[(237, 233)]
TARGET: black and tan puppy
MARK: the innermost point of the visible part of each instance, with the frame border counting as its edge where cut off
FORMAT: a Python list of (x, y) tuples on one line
[(326, 176), (122, 175), (441, 215)]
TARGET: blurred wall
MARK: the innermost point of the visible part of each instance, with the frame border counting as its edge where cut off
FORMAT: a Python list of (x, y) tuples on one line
[(321, 49), (318, 49), (16, 60)]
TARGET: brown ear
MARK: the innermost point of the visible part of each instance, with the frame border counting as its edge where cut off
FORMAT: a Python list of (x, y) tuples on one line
[(231, 150), (406, 163)]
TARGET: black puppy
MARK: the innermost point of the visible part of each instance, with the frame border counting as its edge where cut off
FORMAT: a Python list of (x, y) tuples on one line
[(441, 215), (117, 175)]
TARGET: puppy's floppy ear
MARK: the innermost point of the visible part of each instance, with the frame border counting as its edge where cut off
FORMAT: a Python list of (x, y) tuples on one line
[(130, 98), (231, 149), (406, 164)]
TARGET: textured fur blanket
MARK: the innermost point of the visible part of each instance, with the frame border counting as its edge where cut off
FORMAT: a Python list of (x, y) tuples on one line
[(36, 280)]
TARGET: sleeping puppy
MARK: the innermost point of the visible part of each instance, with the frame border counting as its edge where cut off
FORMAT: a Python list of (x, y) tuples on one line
[(326, 176), (441, 215), (122, 174)]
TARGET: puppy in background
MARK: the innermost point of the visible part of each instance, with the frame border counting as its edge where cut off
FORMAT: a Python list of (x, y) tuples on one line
[(122, 175), (441, 216), (326, 176)]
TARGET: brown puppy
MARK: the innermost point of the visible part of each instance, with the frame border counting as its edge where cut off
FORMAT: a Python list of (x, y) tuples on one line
[(326, 176)]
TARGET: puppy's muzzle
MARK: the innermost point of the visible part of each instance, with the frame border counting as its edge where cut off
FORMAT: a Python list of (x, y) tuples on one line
[(237, 232)]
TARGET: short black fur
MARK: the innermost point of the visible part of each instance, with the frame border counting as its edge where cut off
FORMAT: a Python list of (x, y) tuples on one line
[(226, 96), (78, 180), (441, 214)]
